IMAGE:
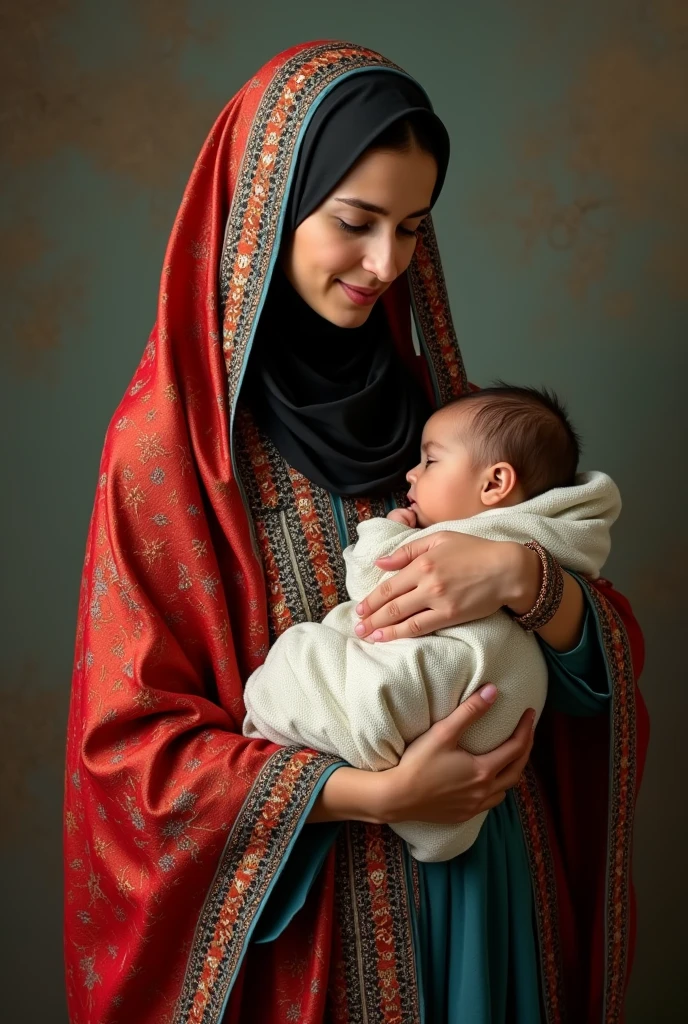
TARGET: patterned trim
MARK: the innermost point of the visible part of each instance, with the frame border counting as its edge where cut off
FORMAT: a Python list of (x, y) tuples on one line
[(400, 499), (374, 919), (357, 510), (431, 303), (279, 612), (318, 553), (621, 803), (260, 474), (296, 528), (531, 811), (415, 883), (255, 849), (347, 986)]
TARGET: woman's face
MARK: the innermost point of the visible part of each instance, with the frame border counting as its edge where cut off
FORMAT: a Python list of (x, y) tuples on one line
[(347, 253)]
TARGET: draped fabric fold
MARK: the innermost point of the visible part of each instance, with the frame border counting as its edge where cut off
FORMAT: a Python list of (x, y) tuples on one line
[(337, 402), (176, 826)]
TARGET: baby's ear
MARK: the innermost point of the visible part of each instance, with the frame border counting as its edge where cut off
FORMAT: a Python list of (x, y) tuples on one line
[(499, 483)]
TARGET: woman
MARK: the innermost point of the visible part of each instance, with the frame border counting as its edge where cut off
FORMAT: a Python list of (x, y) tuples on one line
[(211, 877)]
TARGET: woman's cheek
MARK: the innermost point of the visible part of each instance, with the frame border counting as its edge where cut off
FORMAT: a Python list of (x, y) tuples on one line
[(340, 257)]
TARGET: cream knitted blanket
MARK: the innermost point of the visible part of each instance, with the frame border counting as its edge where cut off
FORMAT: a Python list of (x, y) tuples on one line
[(323, 687)]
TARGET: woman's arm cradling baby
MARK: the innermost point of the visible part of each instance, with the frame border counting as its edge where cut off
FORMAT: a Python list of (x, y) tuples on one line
[(436, 780)]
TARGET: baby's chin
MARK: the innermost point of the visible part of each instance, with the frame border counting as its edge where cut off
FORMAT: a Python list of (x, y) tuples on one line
[(421, 520)]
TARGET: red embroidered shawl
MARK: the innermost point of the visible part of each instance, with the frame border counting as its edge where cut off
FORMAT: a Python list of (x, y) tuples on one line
[(175, 825)]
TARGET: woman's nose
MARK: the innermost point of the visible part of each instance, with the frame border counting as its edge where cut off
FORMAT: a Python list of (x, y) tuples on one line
[(381, 260)]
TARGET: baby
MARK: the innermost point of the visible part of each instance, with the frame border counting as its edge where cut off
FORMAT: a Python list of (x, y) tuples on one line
[(499, 464)]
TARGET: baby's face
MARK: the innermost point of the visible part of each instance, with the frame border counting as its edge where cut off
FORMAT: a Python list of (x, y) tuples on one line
[(445, 484)]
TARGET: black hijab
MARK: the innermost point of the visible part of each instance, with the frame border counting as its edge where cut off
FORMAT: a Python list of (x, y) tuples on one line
[(337, 402)]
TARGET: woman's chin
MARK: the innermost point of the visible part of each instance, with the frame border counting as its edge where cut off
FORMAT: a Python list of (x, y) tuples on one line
[(343, 313), (350, 317)]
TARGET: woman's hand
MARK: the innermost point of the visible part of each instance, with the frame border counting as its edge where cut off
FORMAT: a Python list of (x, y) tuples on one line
[(435, 780), (449, 578), (443, 580)]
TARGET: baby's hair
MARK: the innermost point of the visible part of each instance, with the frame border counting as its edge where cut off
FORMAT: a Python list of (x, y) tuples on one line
[(527, 427)]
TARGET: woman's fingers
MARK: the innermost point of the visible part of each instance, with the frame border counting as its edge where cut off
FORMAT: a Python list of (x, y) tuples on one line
[(390, 590), (494, 800), (412, 626), (399, 606), (505, 763), (450, 729), (511, 775), (407, 552), (404, 581)]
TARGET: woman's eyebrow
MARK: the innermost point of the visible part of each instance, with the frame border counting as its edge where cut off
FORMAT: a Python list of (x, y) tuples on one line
[(361, 204)]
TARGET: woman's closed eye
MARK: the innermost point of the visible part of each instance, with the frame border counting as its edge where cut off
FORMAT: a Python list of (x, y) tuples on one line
[(357, 229), (354, 229)]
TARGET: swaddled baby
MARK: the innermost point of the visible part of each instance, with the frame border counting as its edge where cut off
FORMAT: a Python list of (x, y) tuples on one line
[(499, 464)]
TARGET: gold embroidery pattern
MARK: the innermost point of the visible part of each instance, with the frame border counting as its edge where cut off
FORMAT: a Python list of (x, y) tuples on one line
[(431, 303), (377, 977), (256, 846)]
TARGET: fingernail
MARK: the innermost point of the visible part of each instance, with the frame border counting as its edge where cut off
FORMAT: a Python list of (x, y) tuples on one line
[(377, 635), (359, 609), (488, 693), (532, 722), (359, 630)]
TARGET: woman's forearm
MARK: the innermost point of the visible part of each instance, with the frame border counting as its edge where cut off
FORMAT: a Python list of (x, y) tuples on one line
[(565, 628), (351, 794)]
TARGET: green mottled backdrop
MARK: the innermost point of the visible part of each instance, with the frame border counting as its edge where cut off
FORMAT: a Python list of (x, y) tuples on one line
[(564, 229)]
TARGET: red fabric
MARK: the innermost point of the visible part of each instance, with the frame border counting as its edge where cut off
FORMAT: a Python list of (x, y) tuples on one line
[(172, 619)]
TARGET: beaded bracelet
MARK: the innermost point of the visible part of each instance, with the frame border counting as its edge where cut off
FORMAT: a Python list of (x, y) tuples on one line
[(551, 591)]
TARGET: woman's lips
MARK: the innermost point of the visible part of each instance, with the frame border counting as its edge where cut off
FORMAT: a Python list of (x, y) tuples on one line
[(361, 296)]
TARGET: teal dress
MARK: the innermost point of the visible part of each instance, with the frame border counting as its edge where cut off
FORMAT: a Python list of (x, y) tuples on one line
[(475, 937)]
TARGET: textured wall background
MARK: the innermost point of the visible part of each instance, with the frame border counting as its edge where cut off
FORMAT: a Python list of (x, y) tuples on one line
[(564, 230)]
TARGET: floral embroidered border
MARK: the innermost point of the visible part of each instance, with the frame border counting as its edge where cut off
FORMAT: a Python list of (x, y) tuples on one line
[(296, 531), (431, 302), (378, 983), (255, 849)]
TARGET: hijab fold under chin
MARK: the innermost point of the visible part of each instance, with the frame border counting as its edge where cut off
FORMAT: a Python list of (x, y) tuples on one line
[(338, 402)]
